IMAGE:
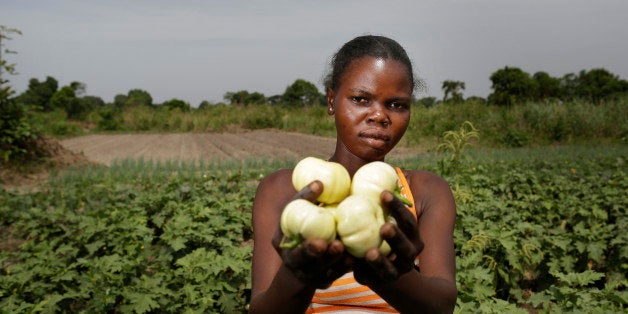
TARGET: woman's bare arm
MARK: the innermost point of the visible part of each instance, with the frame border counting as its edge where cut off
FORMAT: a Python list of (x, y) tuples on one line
[(284, 280), (432, 289)]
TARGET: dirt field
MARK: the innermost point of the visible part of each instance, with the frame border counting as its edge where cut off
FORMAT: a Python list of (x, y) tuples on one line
[(196, 146)]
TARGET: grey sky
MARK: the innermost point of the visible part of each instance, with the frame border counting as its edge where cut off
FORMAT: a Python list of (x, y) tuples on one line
[(199, 50)]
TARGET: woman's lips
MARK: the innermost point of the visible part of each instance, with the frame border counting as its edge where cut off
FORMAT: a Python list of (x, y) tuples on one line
[(375, 138)]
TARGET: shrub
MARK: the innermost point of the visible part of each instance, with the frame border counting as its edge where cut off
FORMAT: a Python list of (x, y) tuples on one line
[(515, 138), (17, 135)]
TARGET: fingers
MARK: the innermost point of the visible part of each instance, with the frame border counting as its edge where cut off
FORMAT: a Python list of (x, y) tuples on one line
[(385, 269), (315, 262), (405, 250), (313, 253), (310, 192)]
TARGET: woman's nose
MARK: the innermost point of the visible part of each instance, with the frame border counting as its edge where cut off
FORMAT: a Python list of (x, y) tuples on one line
[(378, 115)]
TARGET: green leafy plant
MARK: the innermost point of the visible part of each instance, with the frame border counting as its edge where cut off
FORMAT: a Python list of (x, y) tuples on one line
[(454, 142), (537, 230)]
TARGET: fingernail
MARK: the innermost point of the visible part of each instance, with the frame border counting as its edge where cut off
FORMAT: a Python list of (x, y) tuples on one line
[(371, 255), (387, 231), (386, 197), (316, 186)]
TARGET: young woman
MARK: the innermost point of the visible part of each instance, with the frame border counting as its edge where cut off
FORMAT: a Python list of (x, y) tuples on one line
[(369, 93)]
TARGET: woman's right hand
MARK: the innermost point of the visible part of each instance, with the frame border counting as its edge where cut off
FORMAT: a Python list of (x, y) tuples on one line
[(405, 242), (315, 262)]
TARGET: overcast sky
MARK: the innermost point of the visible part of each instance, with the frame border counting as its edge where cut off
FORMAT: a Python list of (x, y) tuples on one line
[(199, 50)]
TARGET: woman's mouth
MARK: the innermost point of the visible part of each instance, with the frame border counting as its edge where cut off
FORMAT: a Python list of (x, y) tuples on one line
[(375, 138)]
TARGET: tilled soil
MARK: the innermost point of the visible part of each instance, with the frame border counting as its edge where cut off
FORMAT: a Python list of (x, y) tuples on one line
[(105, 148)]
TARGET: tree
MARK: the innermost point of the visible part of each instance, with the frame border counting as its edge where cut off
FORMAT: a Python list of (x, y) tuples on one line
[(568, 86), (274, 99), (204, 105), (64, 98), (256, 98), (597, 84), (75, 107), (79, 88), (39, 93), (236, 98), (138, 98), (243, 97), (452, 90), (427, 102), (119, 101), (510, 86), (301, 93), (18, 137), (547, 86), (93, 102), (5, 66), (177, 104)]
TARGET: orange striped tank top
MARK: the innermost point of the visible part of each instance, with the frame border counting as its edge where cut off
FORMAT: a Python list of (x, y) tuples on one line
[(346, 294)]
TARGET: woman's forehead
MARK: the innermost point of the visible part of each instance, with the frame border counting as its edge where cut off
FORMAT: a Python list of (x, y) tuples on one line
[(371, 71)]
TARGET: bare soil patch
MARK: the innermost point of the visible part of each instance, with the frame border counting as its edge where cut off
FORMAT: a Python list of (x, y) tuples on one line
[(106, 148), (50, 155)]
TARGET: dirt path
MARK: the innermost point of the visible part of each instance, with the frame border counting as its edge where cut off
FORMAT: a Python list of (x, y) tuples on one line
[(197, 146)]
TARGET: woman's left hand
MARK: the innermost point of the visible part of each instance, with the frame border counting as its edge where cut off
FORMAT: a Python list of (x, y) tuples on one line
[(405, 243)]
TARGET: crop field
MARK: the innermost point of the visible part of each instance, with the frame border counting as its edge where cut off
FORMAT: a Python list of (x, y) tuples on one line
[(539, 230), (207, 146)]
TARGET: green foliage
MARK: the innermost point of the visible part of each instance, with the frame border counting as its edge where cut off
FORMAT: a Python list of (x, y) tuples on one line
[(136, 237), (138, 97), (510, 86), (301, 93), (39, 93), (176, 104), (63, 97), (597, 84), (109, 119), (541, 229), (426, 102), (538, 230), (243, 97), (515, 138), (18, 136), (537, 123), (92, 102), (545, 233), (63, 128), (452, 91), (547, 87), (267, 118), (5, 66), (453, 143)]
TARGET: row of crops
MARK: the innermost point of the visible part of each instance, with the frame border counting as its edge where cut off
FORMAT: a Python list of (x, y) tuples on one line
[(537, 231)]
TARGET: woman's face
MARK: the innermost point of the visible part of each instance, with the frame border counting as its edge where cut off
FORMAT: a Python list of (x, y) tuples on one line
[(371, 106)]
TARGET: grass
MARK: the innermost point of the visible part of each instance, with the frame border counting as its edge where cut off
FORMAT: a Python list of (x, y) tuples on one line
[(524, 125)]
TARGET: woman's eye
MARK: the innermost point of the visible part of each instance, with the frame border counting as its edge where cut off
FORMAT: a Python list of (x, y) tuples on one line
[(359, 100), (398, 106)]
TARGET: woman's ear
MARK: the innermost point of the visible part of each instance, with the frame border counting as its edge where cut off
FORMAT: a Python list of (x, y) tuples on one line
[(330, 102)]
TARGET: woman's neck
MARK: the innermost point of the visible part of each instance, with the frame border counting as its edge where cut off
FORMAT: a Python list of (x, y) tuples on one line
[(350, 161)]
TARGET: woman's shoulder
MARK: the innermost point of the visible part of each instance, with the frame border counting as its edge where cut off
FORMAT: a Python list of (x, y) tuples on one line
[(279, 179), (427, 189), (281, 174), (425, 178), (276, 186)]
